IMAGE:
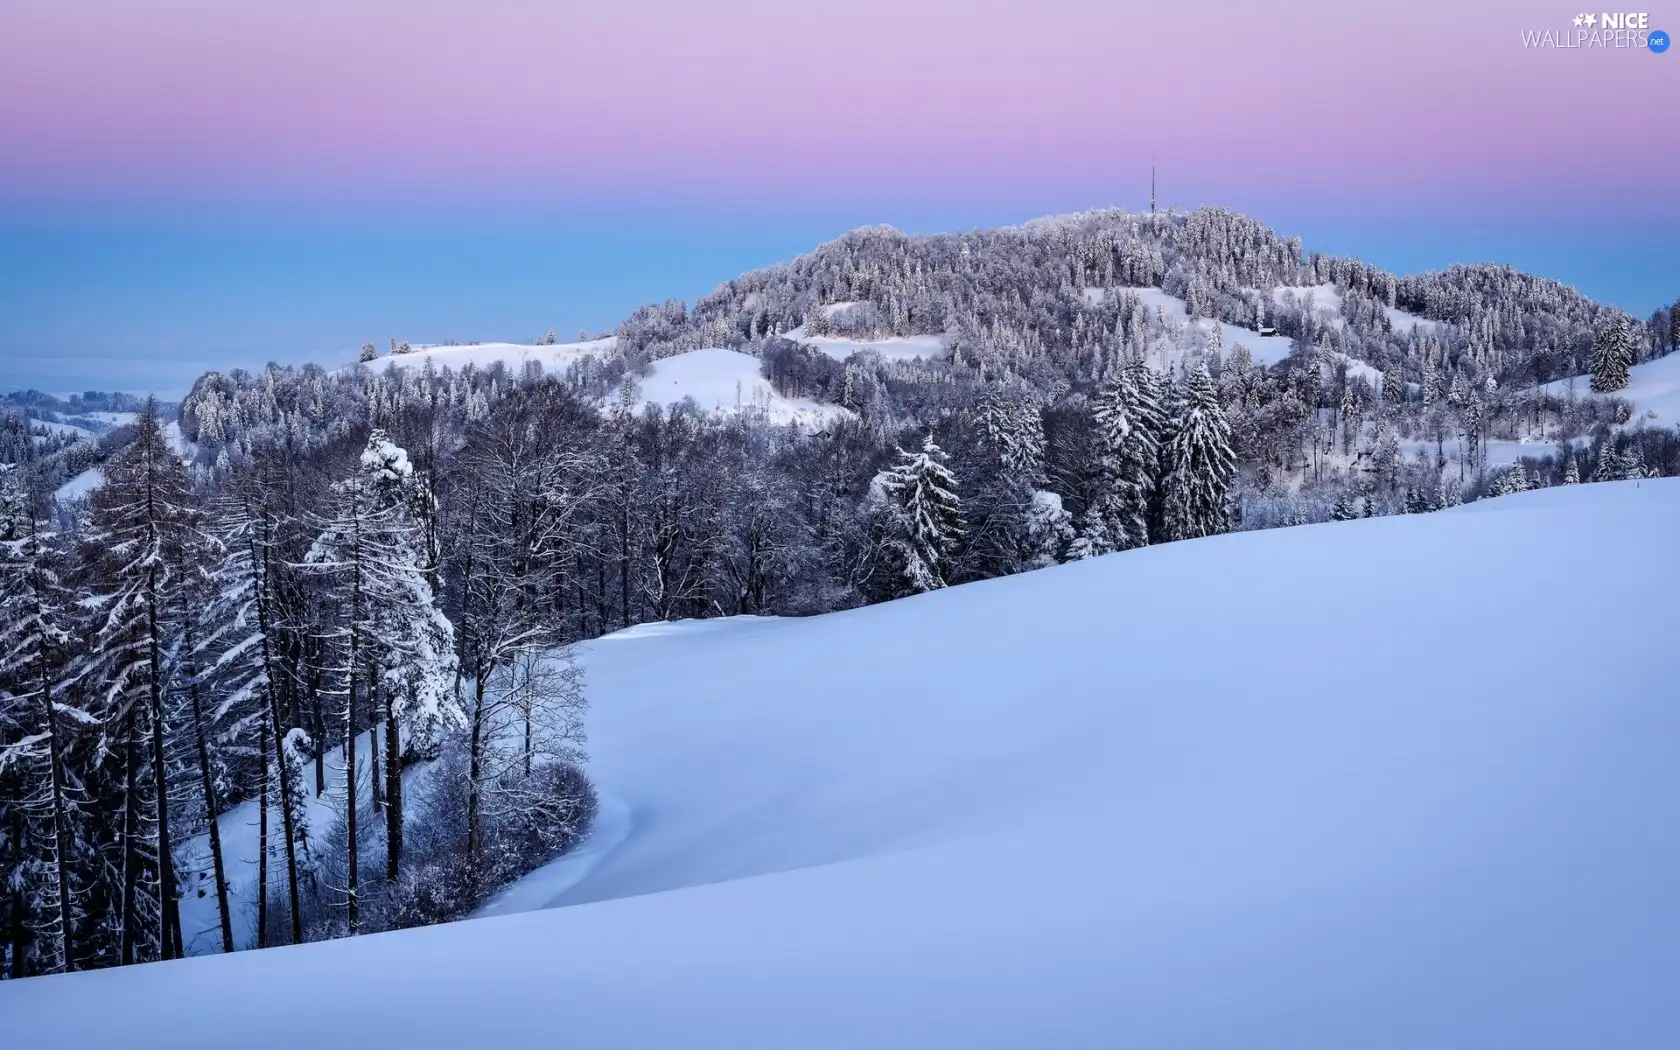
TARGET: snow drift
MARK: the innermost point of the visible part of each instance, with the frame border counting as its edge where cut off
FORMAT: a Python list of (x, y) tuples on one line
[(1399, 782)]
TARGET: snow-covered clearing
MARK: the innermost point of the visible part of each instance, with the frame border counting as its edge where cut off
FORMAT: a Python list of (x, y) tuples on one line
[(1500, 454), (63, 428), (729, 381), (82, 484), (1320, 298), (1195, 795), (1653, 388), (239, 827), (892, 348), (555, 358), (1171, 311), (1403, 322), (79, 486)]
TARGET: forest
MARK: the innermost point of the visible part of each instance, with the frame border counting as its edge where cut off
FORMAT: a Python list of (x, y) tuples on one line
[(362, 587)]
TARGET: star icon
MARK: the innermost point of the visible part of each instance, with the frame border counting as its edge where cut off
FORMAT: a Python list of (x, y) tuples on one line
[(1592, 20), (1580, 20)]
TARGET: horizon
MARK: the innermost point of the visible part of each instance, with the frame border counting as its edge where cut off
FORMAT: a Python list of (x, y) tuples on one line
[(193, 187), (156, 364)]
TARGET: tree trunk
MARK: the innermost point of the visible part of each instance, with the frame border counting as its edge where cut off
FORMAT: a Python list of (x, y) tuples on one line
[(169, 935), (208, 785), (263, 802), (352, 884), (376, 784), (259, 557), (131, 843), (393, 796), (61, 828), (474, 769)]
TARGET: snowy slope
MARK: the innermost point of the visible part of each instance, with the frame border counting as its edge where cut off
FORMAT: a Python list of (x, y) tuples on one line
[(1322, 299), (729, 381), (1319, 787), (892, 348), (1403, 322), (554, 358), (1171, 310), (79, 486), (1653, 388)]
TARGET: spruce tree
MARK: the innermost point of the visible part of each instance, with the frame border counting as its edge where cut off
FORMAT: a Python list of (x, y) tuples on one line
[(1127, 414), (1571, 473), (920, 518), (1004, 474), (1612, 356), (1199, 464)]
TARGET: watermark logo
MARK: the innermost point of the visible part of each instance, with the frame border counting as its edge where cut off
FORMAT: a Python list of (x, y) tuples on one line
[(1600, 31)]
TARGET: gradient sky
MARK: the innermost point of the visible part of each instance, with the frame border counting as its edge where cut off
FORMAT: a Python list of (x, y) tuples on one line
[(188, 183)]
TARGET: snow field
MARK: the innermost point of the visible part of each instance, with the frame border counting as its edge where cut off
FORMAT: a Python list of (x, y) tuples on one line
[(1308, 788)]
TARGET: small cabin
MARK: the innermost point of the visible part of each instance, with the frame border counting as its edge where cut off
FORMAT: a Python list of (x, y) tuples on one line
[(1266, 329)]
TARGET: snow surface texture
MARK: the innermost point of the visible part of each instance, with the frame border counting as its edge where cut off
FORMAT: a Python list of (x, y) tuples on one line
[(79, 486), (555, 358), (1653, 388), (729, 381), (239, 826), (1321, 298), (1264, 349), (1307, 788), (892, 348)]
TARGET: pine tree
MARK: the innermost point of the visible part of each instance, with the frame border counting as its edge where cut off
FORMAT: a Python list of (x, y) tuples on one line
[(368, 353), (1393, 386), (144, 527), (1129, 426), (1004, 475), (1613, 354), (36, 626), (1630, 465), (1200, 465), (1342, 509), (251, 642), (1513, 480), (1571, 473), (920, 517), (1608, 466), (388, 636)]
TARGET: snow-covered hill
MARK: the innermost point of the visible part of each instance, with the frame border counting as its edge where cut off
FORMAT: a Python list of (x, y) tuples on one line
[(729, 381), (1330, 786)]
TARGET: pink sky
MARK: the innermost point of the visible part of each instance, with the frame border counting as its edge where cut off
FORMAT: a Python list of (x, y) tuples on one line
[(1420, 106)]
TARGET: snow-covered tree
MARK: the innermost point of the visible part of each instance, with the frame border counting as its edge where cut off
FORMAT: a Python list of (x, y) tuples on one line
[(1199, 464), (1612, 356), (1129, 428), (1513, 480), (920, 518), (146, 530), (37, 633), (392, 647)]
